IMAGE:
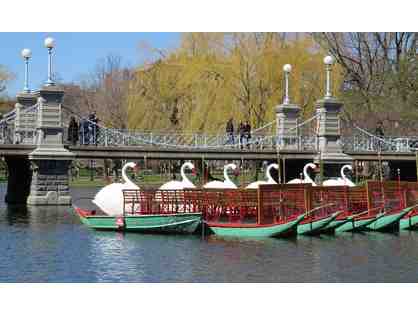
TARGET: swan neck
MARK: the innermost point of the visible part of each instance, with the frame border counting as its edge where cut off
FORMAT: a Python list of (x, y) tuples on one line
[(124, 176), (226, 176), (306, 176), (344, 177), (268, 175), (183, 174)]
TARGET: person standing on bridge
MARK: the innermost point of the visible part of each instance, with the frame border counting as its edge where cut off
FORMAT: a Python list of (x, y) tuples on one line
[(247, 133), (241, 132), (73, 131), (380, 134), (93, 127), (230, 131), (84, 132)]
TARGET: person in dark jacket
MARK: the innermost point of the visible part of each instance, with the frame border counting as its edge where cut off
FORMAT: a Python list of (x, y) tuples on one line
[(379, 129), (93, 127), (247, 133), (241, 132), (230, 131), (73, 131), (84, 132), (379, 133)]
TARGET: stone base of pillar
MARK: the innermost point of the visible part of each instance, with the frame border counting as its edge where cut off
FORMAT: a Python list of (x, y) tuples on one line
[(50, 184)]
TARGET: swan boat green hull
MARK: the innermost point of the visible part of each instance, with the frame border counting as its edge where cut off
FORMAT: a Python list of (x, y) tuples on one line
[(183, 223), (315, 227), (409, 222), (357, 224), (256, 231), (333, 225), (388, 222)]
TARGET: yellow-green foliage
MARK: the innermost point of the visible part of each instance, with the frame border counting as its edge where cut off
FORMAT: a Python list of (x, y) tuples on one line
[(212, 77)]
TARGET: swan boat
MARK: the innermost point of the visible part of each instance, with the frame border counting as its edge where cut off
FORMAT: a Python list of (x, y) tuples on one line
[(274, 210), (126, 207)]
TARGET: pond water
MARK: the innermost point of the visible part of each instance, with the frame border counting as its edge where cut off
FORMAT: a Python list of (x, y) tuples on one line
[(49, 244)]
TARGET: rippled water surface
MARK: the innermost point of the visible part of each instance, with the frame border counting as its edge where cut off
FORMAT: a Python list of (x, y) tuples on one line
[(49, 244)]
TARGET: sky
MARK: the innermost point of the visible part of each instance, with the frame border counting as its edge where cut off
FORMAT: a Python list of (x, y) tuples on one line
[(75, 53)]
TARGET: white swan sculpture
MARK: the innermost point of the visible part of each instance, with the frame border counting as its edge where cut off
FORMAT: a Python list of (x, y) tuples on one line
[(185, 183), (306, 177), (110, 198), (343, 181), (270, 180), (226, 184)]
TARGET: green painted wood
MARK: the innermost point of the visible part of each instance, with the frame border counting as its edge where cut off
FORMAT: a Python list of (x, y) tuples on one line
[(386, 222), (261, 231), (409, 223), (333, 225), (354, 225), (175, 223), (314, 228)]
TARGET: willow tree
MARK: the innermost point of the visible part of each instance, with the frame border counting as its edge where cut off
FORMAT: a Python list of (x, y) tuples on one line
[(213, 77)]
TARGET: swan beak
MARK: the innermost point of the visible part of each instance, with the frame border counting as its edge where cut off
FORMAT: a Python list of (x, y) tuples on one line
[(194, 172), (136, 168), (236, 173)]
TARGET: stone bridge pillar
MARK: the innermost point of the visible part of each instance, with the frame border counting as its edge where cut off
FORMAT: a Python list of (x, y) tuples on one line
[(287, 118), (328, 131), (25, 121), (50, 160)]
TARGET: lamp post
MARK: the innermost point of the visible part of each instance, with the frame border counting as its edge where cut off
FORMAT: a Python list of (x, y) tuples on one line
[(26, 54), (329, 61), (49, 44), (287, 68)]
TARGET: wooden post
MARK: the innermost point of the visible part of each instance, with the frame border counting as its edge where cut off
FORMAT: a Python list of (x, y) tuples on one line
[(416, 162), (380, 165), (279, 164), (202, 179), (284, 169), (91, 170), (356, 167), (321, 169), (369, 197)]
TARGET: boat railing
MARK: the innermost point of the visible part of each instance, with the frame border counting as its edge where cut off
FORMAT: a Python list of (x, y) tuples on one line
[(390, 196), (276, 203), (152, 202)]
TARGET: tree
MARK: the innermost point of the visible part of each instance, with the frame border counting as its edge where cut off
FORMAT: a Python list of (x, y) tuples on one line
[(5, 77), (213, 77), (380, 75), (102, 90)]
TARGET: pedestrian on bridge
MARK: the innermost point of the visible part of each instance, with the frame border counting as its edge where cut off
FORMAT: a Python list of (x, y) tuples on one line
[(84, 132), (73, 131), (93, 127), (247, 133), (241, 132), (230, 131), (380, 134)]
